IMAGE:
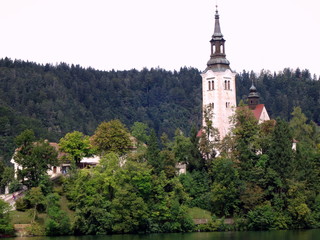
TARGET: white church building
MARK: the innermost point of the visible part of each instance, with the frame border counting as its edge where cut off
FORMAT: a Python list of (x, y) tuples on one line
[(219, 87)]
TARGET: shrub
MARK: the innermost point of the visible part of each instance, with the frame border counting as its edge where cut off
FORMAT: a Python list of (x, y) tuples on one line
[(35, 230), (15, 186), (58, 190), (261, 218), (58, 222), (21, 204), (6, 227)]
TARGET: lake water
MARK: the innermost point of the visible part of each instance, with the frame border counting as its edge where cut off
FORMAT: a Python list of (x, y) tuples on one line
[(270, 235)]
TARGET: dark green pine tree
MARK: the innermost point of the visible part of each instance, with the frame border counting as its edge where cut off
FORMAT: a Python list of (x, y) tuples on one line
[(245, 135), (196, 162), (280, 153), (153, 151)]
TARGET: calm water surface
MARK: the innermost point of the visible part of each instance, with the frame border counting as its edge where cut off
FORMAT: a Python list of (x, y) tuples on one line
[(271, 235)]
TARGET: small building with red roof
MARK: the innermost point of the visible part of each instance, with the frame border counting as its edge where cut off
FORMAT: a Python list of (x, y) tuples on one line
[(259, 110)]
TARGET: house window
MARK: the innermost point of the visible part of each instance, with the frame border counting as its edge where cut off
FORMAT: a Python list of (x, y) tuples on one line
[(228, 85), (209, 85), (227, 104)]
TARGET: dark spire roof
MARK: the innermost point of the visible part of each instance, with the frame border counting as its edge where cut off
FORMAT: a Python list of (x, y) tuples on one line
[(217, 61), (253, 97), (253, 92), (217, 29)]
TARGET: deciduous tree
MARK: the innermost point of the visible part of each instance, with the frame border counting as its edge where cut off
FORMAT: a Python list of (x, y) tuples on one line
[(112, 136), (35, 158), (76, 145)]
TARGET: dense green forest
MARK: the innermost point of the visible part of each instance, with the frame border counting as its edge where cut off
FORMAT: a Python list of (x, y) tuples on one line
[(54, 100), (259, 180)]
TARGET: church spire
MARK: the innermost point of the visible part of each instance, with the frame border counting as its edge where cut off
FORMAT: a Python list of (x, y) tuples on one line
[(217, 61), (253, 97), (217, 29)]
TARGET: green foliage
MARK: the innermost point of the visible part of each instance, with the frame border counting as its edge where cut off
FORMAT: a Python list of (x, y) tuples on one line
[(140, 191), (182, 148), (140, 131), (197, 185), (45, 184), (258, 171), (214, 225), (57, 222), (153, 152), (6, 228), (245, 134), (6, 175), (209, 137), (251, 196), (36, 229), (76, 145), (112, 136), (282, 91), (225, 188), (15, 186), (198, 213), (261, 218), (25, 138), (35, 200), (168, 214), (280, 151), (35, 158), (301, 131), (126, 199), (265, 135), (129, 210), (21, 204), (196, 161), (46, 98)]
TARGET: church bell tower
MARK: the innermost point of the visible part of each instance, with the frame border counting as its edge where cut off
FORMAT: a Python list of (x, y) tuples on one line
[(218, 84)]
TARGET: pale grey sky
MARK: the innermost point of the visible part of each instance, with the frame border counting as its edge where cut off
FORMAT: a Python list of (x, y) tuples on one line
[(126, 34)]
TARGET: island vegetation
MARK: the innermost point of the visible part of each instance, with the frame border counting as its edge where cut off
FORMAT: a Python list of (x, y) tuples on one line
[(142, 124)]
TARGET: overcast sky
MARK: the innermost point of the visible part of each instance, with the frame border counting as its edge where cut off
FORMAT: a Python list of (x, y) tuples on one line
[(126, 34)]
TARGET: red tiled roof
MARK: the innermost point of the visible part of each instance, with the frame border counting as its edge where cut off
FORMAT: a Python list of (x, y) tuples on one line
[(258, 111)]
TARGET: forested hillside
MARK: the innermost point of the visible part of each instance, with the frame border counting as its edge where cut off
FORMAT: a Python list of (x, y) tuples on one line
[(283, 91), (54, 100)]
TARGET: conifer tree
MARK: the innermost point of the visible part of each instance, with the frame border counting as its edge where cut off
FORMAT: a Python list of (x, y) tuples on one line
[(153, 151), (280, 152)]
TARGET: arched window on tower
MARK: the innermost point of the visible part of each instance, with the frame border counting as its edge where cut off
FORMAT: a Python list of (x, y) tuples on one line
[(228, 85), (212, 85), (225, 84), (209, 85)]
